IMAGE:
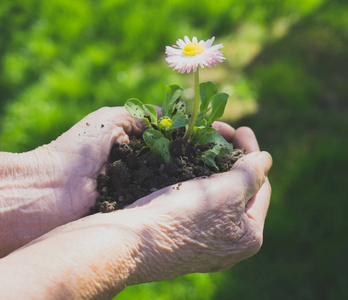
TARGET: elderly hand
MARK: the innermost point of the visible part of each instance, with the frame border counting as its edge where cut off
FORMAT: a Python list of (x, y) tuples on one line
[(207, 225), (56, 183)]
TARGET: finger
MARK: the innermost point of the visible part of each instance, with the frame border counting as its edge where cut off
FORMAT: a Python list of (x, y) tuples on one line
[(120, 117), (107, 118), (245, 138), (251, 171), (132, 125), (225, 130), (257, 207)]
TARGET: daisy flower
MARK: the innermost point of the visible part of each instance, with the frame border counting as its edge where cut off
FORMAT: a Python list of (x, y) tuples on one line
[(187, 55)]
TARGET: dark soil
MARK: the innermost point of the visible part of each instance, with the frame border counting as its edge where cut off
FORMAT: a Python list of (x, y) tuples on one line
[(134, 172)]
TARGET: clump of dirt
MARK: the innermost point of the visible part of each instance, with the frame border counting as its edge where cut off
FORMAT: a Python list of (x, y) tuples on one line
[(134, 172)]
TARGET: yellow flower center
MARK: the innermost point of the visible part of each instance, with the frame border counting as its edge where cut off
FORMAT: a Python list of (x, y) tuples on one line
[(193, 49), (165, 123)]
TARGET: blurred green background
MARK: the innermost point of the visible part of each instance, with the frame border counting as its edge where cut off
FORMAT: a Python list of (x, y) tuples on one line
[(286, 72)]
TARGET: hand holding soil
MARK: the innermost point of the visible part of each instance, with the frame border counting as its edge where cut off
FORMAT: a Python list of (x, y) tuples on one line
[(56, 183), (205, 224), (202, 225)]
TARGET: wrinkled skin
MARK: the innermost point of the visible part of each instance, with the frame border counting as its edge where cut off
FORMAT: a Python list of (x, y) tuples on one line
[(56, 183), (204, 225)]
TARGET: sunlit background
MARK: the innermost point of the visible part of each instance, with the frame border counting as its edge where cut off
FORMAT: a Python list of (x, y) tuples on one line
[(287, 75)]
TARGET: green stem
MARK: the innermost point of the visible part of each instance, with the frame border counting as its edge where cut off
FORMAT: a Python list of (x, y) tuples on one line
[(195, 106)]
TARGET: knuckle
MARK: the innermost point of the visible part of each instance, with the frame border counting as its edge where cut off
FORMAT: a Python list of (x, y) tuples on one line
[(103, 109), (247, 131)]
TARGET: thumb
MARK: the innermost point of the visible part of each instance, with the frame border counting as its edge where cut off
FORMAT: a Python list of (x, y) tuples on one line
[(250, 171)]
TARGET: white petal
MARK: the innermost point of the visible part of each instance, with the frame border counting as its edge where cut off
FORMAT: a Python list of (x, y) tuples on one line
[(187, 40), (181, 43)]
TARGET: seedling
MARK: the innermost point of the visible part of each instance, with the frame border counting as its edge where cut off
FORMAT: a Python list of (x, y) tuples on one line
[(175, 122)]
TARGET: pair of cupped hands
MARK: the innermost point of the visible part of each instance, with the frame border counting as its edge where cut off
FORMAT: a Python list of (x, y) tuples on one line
[(54, 251)]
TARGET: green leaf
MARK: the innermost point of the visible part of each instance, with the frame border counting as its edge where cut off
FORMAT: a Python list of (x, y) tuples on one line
[(135, 108), (152, 113), (159, 145), (218, 105), (173, 93), (207, 91), (202, 123), (208, 157), (179, 121), (210, 129), (221, 146), (198, 130), (161, 150), (200, 117), (179, 106), (150, 136)]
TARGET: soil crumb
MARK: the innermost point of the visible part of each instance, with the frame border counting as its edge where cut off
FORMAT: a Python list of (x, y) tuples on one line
[(134, 172)]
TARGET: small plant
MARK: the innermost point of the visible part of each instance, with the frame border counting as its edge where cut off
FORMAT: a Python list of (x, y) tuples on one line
[(209, 105)]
